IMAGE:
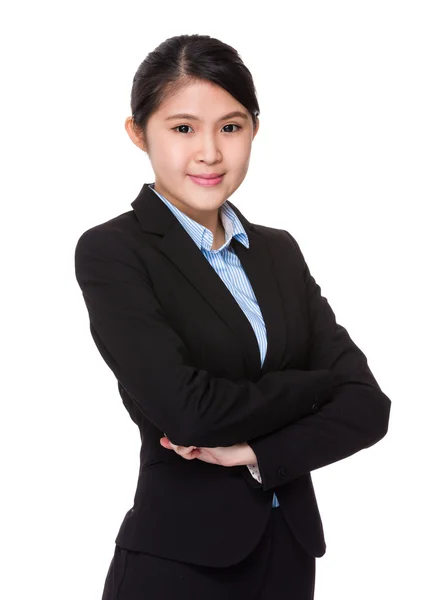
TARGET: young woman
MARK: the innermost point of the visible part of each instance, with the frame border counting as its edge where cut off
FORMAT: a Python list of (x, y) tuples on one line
[(227, 356)]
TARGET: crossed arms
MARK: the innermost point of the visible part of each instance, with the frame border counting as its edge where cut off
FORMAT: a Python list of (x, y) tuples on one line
[(275, 414)]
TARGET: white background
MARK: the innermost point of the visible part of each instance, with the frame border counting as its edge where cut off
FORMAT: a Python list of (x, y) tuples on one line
[(345, 159)]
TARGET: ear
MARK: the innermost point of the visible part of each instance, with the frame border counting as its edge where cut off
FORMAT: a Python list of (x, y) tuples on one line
[(255, 131), (134, 134)]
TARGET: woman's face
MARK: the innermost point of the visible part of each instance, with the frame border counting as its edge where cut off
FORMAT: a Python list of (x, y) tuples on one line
[(204, 142)]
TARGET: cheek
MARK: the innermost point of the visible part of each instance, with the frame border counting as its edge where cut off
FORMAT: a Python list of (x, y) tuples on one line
[(238, 155), (168, 153), (180, 157)]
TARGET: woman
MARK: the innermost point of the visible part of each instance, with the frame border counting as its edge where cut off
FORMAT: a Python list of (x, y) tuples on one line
[(227, 356)]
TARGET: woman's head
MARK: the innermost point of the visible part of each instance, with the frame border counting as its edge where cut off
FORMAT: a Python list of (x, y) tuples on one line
[(200, 76)]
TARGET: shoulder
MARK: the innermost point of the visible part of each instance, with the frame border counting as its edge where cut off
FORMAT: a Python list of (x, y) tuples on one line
[(121, 225), (279, 239), (115, 238)]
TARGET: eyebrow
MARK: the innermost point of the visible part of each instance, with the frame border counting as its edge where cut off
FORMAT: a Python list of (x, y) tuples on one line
[(235, 113)]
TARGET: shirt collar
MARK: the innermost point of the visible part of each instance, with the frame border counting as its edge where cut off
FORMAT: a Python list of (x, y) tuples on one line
[(202, 236)]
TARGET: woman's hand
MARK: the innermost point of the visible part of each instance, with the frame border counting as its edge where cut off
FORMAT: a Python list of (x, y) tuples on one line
[(226, 456)]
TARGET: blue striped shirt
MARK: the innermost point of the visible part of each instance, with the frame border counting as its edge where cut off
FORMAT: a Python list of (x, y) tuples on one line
[(227, 265)]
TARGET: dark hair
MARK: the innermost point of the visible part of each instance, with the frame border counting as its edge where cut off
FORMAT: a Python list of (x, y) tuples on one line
[(182, 59)]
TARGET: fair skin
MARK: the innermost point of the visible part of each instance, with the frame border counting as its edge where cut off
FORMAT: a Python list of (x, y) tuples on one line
[(183, 146), (179, 147), (225, 456)]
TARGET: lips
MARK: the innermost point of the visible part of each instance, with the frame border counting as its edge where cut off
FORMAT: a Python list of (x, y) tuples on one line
[(207, 180), (207, 175)]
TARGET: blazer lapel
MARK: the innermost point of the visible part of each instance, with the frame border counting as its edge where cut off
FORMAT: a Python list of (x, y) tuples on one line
[(177, 245), (258, 266)]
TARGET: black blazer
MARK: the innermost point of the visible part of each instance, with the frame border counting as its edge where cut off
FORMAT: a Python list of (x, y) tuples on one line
[(187, 363)]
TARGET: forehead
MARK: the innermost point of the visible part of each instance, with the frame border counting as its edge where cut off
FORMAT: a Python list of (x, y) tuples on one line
[(202, 99)]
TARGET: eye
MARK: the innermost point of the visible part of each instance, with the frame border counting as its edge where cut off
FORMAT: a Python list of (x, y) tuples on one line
[(229, 125), (232, 125), (179, 126)]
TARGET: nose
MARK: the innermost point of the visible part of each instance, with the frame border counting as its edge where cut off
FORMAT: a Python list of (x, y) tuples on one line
[(209, 150)]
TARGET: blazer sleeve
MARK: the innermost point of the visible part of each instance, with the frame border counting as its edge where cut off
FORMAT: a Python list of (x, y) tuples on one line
[(153, 366), (355, 417)]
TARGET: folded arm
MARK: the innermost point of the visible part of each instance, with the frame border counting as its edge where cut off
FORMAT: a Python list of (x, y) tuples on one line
[(153, 366), (356, 417)]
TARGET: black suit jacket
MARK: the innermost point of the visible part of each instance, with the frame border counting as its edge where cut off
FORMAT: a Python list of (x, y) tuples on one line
[(187, 363)]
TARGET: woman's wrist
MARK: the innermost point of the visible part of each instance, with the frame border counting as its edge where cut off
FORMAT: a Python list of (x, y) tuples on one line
[(244, 455)]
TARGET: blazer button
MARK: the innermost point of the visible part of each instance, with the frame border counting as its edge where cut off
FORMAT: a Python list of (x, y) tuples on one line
[(282, 472), (315, 407)]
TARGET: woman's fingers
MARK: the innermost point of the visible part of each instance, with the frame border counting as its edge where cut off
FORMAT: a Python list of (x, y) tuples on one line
[(183, 450), (188, 452)]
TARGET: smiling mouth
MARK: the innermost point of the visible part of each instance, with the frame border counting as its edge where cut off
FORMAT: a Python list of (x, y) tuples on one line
[(207, 175), (206, 181)]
